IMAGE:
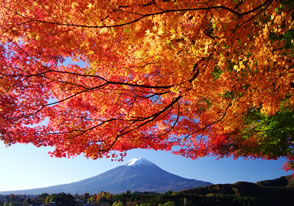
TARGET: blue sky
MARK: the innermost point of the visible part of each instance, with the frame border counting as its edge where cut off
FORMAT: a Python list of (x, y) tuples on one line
[(26, 166)]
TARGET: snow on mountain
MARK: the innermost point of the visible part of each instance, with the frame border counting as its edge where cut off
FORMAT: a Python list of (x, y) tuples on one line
[(137, 175), (139, 162)]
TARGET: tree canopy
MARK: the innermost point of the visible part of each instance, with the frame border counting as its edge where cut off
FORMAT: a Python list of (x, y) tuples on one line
[(194, 77)]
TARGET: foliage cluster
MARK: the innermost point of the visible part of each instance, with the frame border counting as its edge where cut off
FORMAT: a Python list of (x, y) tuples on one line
[(196, 77)]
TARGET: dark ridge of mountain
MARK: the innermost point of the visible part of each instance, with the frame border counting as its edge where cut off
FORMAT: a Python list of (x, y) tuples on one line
[(284, 181), (137, 175), (278, 191), (246, 188)]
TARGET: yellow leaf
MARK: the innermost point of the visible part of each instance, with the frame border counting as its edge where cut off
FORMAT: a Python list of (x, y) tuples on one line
[(236, 68), (90, 6), (74, 4)]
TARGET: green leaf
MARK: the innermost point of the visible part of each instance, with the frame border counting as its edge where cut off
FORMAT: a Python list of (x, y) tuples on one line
[(127, 30)]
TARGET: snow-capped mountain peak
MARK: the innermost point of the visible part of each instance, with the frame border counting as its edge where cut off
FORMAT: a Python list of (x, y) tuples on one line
[(137, 175), (139, 161)]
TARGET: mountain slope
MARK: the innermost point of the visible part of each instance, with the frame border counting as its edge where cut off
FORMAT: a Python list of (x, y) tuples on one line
[(278, 191), (136, 175)]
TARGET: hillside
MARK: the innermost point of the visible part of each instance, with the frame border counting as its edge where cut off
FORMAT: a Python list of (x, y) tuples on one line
[(278, 191)]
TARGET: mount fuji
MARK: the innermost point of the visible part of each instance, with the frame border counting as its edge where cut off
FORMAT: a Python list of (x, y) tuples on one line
[(136, 175)]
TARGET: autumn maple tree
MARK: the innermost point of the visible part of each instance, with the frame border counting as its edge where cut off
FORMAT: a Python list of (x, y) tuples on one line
[(101, 77)]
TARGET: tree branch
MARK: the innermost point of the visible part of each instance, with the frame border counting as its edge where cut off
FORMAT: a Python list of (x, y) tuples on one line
[(143, 16)]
